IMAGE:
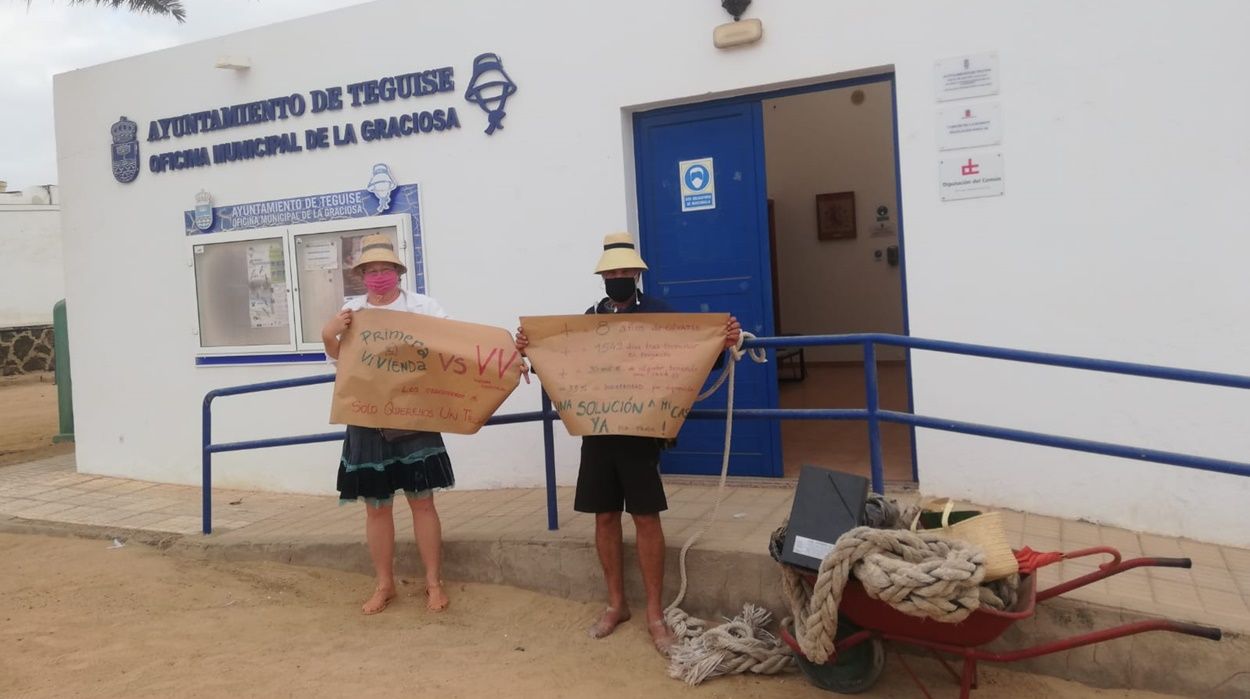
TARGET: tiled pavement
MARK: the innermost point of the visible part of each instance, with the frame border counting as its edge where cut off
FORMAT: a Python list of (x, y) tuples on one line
[(1215, 591)]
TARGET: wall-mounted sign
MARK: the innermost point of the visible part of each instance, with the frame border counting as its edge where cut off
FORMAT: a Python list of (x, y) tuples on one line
[(698, 184), (381, 185), (971, 176), (125, 150), (966, 76), (203, 215), (489, 89), (334, 206), (970, 126)]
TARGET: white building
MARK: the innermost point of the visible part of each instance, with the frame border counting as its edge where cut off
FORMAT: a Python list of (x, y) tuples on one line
[(1061, 176), (30, 276), (30, 255)]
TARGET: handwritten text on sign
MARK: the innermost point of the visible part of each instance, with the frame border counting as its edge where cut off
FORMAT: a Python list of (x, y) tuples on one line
[(416, 372), (635, 374)]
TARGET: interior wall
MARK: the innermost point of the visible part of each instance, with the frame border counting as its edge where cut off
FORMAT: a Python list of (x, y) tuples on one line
[(824, 142)]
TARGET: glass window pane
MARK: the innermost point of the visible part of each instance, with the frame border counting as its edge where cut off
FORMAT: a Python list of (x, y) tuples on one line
[(325, 279), (242, 292)]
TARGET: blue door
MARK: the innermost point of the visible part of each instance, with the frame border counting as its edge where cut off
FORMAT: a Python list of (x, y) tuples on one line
[(712, 259)]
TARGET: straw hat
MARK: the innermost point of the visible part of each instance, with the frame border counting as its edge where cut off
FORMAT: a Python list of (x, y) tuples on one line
[(619, 252), (378, 248)]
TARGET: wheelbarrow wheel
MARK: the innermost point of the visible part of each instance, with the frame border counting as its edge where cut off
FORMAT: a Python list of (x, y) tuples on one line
[(853, 671)]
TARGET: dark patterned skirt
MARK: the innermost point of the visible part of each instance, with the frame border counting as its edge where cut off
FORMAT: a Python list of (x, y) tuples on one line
[(373, 469)]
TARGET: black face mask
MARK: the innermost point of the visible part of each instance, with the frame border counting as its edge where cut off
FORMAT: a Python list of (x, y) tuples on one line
[(620, 289)]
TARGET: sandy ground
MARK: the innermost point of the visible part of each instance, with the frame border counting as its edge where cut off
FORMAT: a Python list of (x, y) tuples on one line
[(28, 421), (81, 619)]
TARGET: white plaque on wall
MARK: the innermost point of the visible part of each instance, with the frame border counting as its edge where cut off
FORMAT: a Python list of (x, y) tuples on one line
[(971, 176), (966, 76), (970, 126)]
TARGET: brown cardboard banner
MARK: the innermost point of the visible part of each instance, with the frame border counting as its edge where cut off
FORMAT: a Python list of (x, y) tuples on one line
[(630, 374), (416, 372)]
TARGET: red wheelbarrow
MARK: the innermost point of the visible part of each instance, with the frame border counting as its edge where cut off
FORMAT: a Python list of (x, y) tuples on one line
[(864, 624)]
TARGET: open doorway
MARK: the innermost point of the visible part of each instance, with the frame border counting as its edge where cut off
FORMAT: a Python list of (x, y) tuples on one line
[(832, 188), (759, 248)]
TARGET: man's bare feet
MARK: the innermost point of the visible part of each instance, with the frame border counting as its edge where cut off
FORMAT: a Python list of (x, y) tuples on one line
[(607, 623), (661, 636), (380, 599), (435, 599)]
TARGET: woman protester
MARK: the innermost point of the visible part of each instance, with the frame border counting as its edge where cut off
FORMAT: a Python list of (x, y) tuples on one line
[(377, 463)]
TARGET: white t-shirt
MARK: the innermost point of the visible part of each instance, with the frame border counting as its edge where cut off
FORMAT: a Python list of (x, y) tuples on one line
[(407, 301)]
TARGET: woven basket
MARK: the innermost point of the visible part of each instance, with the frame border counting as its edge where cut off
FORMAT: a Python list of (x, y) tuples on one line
[(985, 530)]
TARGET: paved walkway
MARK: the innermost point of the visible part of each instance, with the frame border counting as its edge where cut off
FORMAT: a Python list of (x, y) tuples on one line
[(1216, 591)]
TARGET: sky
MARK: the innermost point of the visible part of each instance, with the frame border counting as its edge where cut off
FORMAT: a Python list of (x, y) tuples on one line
[(51, 37)]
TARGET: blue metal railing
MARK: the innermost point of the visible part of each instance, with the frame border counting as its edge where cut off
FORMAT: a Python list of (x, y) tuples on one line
[(546, 415), (872, 414)]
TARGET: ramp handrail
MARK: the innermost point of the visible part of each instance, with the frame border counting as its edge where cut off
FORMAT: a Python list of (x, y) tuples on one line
[(546, 415), (872, 414)]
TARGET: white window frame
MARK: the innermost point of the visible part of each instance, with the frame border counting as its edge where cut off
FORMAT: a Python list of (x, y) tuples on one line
[(294, 345), (403, 232), (237, 237)]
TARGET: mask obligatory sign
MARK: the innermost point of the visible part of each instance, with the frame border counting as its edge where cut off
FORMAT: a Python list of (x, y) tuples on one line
[(635, 374), (415, 372)]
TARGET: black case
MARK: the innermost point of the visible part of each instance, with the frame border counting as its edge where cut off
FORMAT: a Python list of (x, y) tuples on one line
[(827, 504)]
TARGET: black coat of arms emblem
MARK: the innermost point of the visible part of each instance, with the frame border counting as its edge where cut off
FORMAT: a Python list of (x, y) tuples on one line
[(125, 150)]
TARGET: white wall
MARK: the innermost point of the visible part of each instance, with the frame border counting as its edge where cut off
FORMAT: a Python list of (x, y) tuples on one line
[(31, 278), (1121, 234), (821, 142)]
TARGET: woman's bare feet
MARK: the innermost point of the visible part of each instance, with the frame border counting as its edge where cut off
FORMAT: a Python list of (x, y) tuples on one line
[(661, 636), (379, 601), (609, 621), (435, 599)]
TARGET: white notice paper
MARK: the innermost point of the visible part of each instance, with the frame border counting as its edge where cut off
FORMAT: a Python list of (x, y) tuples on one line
[(969, 126), (971, 176), (321, 254), (811, 547), (966, 76)]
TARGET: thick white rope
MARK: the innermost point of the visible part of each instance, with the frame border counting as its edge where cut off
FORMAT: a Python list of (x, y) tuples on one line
[(742, 644), (919, 574), (736, 353)]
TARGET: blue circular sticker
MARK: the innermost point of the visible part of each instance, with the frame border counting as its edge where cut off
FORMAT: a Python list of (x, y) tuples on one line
[(697, 177)]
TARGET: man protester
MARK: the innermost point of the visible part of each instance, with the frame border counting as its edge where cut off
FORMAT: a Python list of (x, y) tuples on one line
[(622, 473)]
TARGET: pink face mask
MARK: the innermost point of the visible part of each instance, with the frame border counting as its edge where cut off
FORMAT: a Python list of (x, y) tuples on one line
[(381, 282)]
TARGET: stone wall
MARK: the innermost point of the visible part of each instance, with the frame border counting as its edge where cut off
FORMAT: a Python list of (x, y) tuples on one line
[(26, 350)]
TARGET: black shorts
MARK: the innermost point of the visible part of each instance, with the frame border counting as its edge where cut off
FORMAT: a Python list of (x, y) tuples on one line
[(620, 473)]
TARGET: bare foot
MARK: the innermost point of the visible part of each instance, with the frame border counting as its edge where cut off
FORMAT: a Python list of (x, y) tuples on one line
[(435, 599), (380, 599), (608, 622), (661, 636)]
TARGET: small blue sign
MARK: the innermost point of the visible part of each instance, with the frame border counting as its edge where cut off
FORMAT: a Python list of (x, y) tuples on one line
[(696, 177), (698, 184)]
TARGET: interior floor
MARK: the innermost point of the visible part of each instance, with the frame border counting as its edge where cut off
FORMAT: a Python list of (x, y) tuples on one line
[(843, 445)]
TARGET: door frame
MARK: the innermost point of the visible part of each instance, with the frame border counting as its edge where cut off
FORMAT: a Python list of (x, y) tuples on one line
[(758, 96)]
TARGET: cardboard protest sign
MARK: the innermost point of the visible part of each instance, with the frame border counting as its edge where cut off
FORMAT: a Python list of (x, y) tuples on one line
[(416, 372), (630, 374)]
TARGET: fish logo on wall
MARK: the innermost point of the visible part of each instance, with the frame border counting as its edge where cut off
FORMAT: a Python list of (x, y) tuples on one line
[(125, 150), (490, 89), (203, 210)]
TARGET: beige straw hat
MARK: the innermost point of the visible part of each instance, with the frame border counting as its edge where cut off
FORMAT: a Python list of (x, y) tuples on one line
[(619, 252), (378, 248)]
